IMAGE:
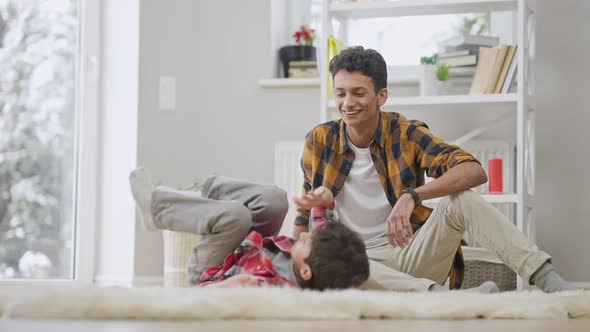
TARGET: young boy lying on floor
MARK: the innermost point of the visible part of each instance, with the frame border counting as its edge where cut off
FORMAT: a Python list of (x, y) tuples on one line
[(238, 223)]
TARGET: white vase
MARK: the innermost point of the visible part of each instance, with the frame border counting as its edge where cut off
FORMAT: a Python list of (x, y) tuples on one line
[(428, 80), (443, 88)]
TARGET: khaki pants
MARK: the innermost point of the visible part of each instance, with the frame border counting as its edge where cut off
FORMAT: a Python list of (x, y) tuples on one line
[(429, 256), (223, 214)]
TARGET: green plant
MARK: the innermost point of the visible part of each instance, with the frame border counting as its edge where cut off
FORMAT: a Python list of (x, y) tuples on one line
[(442, 72), (475, 24), (429, 60)]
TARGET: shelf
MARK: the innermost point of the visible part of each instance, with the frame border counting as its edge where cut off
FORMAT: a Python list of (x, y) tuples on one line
[(417, 7), (288, 82), (272, 83), (491, 198), (452, 102)]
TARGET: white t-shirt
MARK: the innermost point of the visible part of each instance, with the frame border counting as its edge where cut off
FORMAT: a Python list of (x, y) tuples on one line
[(361, 202)]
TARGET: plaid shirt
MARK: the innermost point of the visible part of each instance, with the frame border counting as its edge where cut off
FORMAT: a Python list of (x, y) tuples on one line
[(249, 258), (402, 151)]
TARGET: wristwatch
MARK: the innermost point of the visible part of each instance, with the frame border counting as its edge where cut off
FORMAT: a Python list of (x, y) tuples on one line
[(414, 194), (320, 216), (319, 212)]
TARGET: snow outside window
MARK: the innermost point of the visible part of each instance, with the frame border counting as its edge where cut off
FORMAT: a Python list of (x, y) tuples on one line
[(38, 56)]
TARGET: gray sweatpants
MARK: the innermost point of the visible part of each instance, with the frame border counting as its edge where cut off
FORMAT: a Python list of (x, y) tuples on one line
[(225, 212)]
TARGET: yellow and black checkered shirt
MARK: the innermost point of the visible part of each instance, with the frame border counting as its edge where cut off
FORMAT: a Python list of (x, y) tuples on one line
[(402, 151)]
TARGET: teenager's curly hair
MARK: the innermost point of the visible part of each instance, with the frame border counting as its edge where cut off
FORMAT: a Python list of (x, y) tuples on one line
[(369, 62)]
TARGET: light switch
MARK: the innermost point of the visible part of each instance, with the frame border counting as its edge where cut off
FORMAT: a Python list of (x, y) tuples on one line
[(167, 93)]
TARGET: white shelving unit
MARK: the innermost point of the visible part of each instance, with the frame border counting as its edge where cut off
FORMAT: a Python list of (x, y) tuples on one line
[(416, 7), (520, 102), (501, 102), (315, 82)]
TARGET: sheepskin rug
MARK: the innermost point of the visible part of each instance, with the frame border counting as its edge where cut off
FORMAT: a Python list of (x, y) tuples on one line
[(93, 302)]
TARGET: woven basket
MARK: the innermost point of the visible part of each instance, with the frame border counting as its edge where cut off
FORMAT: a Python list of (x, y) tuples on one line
[(482, 265), (178, 247), (476, 272)]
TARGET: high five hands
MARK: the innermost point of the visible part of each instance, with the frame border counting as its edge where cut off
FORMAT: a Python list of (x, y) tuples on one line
[(321, 196)]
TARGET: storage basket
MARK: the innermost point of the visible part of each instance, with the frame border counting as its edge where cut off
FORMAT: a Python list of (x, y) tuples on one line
[(178, 247), (481, 266)]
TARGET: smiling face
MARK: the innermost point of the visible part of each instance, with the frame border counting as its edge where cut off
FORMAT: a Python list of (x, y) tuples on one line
[(299, 253), (356, 99)]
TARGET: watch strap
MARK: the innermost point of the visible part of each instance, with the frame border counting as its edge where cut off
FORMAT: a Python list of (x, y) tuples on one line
[(414, 194)]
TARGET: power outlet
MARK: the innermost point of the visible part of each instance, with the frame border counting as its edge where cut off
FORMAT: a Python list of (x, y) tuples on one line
[(167, 93)]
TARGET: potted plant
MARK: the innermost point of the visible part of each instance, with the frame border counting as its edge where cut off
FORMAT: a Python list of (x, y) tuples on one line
[(303, 51), (431, 67)]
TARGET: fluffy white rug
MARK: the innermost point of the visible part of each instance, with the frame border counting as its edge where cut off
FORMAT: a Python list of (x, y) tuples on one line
[(275, 303)]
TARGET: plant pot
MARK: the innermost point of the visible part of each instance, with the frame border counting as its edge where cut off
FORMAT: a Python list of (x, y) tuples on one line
[(444, 88), (295, 53), (428, 80)]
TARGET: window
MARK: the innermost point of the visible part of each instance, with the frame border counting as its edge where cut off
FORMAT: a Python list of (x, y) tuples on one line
[(287, 16), (39, 57), (403, 40), (301, 12)]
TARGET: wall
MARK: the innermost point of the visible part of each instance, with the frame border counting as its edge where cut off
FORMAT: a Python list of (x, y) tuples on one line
[(563, 181), (224, 123)]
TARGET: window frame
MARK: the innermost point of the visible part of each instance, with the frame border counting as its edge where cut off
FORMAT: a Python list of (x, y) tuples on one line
[(87, 103)]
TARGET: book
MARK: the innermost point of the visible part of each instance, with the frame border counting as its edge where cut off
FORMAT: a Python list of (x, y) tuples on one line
[(303, 64), (510, 76), (466, 71), (303, 69), (457, 53), (303, 73), (483, 71), (467, 39), (473, 49), (505, 67), (459, 61), (496, 69)]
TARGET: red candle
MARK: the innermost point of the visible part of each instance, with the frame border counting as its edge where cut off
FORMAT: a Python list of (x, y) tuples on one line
[(495, 175)]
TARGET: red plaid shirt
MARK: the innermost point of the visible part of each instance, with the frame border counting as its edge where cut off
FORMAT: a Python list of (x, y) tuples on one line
[(249, 258)]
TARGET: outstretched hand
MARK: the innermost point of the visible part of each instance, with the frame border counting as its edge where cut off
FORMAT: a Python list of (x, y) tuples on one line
[(321, 196)]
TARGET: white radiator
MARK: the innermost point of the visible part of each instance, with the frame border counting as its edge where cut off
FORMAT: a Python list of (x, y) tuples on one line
[(484, 150), (288, 174)]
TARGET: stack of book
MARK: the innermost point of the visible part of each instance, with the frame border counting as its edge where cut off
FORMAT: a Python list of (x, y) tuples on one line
[(463, 50), (496, 69), (303, 69)]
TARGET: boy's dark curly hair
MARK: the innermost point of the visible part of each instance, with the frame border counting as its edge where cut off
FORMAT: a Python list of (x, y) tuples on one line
[(337, 260), (369, 62)]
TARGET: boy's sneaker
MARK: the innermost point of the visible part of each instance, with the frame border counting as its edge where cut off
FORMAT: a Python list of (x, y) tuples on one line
[(141, 188)]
